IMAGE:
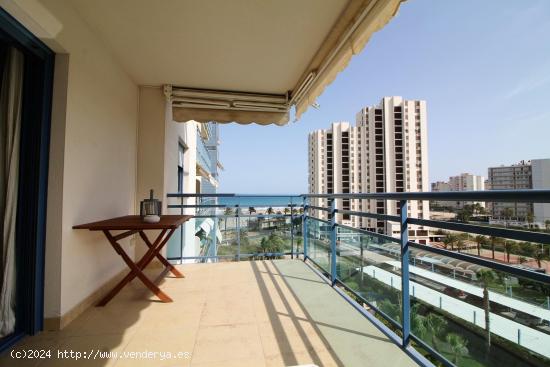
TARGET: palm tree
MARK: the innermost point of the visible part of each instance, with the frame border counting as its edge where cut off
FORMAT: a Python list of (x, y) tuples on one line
[(460, 243), (287, 210), (530, 219), (486, 276), (529, 249), (479, 240), (419, 325), (437, 325), (547, 224), (508, 248), (507, 214), (251, 210), (539, 256), (264, 245), (449, 240), (494, 240), (270, 210), (458, 346), (226, 212)]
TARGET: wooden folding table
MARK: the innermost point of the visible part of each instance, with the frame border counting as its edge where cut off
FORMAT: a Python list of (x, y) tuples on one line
[(132, 224)]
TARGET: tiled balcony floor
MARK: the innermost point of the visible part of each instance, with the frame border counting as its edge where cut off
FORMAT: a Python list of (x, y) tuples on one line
[(262, 313)]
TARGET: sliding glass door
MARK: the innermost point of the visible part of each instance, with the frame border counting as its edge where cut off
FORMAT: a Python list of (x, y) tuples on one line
[(26, 69)]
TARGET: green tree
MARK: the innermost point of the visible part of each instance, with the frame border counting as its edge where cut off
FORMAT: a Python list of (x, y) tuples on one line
[(486, 276), (465, 214), (419, 325), (529, 248), (264, 245), (270, 210), (478, 208), (391, 309), (507, 213), (458, 346), (530, 218), (460, 243), (449, 241), (437, 325), (287, 210), (539, 256), (480, 240), (494, 241), (547, 224), (510, 247), (226, 213)]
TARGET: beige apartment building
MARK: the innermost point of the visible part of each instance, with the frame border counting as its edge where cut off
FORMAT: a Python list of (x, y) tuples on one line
[(525, 175), (386, 151)]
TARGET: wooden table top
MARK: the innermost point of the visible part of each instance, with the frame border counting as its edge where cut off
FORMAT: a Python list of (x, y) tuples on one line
[(135, 222)]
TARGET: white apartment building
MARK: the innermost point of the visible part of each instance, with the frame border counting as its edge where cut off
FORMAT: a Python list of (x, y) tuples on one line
[(462, 182), (534, 174), (386, 151)]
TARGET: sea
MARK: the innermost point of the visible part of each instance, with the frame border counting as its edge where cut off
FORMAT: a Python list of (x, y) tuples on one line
[(261, 201)]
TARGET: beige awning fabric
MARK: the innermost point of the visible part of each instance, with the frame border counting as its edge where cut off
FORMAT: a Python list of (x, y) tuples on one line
[(227, 106), (348, 36), (359, 22), (182, 114)]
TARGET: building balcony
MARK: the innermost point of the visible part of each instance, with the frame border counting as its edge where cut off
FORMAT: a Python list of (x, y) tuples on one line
[(204, 159), (280, 286)]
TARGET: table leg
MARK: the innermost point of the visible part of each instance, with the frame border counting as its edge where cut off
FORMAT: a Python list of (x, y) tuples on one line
[(161, 258), (136, 268)]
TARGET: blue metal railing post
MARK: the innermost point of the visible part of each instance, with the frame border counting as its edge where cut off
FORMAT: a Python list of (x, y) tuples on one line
[(238, 220), (215, 230), (304, 227), (333, 241), (291, 229), (405, 296)]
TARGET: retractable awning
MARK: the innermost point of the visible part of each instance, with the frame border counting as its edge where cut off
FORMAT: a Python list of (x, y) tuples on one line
[(349, 35)]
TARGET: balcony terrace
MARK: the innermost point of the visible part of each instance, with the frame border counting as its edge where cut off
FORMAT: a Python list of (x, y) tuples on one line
[(260, 313)]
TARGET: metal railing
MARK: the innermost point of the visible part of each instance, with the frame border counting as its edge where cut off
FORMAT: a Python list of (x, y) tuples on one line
[(271, 213), (471, 296)]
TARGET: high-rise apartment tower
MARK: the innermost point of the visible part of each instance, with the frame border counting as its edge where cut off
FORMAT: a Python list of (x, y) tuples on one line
[(386, 151)]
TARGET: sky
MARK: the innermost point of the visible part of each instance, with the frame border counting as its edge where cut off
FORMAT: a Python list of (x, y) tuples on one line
[(483, 68)]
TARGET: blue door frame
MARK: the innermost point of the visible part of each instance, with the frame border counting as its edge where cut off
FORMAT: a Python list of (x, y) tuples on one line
[(33, 177)]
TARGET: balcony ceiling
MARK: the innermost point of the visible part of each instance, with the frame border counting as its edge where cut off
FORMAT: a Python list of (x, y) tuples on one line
[(240, 45)]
